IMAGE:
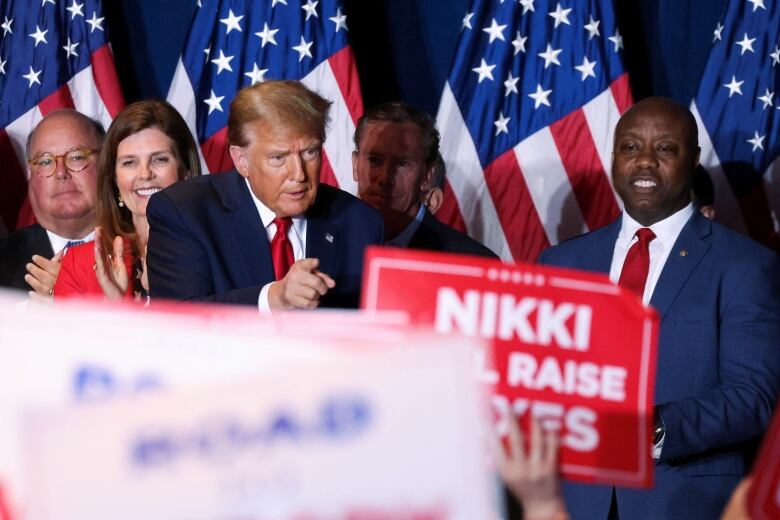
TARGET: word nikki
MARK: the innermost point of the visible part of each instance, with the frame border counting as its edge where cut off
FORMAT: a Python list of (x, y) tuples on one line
[(504, 316)]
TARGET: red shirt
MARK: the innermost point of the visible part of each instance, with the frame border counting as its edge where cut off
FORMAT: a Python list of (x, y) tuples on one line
[(77, 272)]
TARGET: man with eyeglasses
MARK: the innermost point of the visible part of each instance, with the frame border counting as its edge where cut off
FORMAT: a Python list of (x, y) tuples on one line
[(62, 188)]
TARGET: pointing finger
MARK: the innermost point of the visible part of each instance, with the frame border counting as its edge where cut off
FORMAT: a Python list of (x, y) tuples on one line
[(329, 282)]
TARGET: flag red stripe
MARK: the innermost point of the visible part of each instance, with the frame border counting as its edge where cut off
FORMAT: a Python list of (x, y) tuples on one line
[(581, 161), (621, 91), (14, 192), (516, 211), (326, 172), (60, 98), (345, 71), (449, 212), (106, 80), (215, 152), (26, 215)]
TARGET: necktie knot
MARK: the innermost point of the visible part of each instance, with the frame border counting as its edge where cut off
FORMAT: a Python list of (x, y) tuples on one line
[(283, 225), (73, 243), (645, 235), (637, 262)]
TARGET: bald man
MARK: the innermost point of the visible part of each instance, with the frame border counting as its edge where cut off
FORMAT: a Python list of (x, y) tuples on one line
[(718, 295), (62, 188)]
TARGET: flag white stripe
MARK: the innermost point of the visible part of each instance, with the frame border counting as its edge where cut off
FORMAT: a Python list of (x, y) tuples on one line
[(549, 186), (727, 208), (338, 145), (86, 98), (467, 179), (602, 114), (18, 131), (182, 97)]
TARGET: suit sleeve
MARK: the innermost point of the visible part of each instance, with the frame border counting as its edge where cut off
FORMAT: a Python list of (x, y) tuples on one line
[(178, 263), (737, 409)]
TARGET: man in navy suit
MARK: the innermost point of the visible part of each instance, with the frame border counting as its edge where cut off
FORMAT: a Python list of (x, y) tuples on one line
[(396, 149), (220, 237), (718, 295)]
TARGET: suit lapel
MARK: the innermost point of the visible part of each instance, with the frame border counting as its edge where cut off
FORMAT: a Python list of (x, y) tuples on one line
[(598, 257), (40, 243), (426, 237), (685, 255), (251, 244), (322, 240), (322, 235)]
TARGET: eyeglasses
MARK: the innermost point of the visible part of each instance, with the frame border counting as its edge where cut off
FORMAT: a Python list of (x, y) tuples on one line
[(75, 160)]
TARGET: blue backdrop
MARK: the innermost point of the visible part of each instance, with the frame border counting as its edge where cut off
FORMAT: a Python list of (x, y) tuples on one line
[(403, 48)]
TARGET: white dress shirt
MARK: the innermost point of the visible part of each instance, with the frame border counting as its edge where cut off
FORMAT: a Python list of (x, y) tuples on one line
[(296, 235), (58, 242), (666, 233)]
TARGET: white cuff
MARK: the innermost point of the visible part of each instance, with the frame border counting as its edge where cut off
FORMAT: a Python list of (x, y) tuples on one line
[(262, 300)]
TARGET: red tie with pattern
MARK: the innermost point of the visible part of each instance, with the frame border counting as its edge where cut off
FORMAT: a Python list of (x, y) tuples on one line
[(281, 248), (637, 264)]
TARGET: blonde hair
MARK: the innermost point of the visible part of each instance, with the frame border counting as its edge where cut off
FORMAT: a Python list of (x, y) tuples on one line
[(288, 104)]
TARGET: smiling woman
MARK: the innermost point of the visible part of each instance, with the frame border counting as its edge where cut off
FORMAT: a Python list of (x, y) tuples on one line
[(147, 148)]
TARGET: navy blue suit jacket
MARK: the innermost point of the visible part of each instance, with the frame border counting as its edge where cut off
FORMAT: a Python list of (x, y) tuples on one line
[(207, 242), (718, 371), (433, 235), (17, 251)]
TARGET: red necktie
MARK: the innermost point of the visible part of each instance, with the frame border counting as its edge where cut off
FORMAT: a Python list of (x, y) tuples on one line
[(281, 248), (637, 264)]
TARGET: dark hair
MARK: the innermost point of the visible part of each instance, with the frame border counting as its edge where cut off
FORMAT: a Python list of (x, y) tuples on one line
[(400, 112), (439, 172), (285, 103), (95, 126), (152, 113)]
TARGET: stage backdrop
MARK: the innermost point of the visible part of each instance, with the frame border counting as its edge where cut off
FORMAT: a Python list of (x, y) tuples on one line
[(404, 48)]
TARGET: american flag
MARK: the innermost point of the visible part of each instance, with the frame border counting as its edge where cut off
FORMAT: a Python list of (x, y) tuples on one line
[(236, 43), (738, 113), (53, 54), (527, 119)]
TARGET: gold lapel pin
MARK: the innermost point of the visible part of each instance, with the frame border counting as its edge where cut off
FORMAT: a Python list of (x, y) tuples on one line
[(683, 252)]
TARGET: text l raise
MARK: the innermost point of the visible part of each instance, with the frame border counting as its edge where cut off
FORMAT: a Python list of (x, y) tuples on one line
[(505, 316)]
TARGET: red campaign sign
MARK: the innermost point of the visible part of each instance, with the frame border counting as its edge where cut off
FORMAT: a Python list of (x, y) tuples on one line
[(764, 496), (571, 348)]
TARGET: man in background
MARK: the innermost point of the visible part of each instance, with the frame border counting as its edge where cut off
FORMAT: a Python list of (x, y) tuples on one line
[(434, 197), (267, 234), (62, 188), (396, 149), (718, 296)]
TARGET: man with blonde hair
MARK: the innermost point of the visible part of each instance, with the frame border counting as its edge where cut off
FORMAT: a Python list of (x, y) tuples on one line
[(267, 233)]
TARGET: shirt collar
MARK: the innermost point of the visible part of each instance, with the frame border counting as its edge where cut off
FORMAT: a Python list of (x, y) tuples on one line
[(666, 230), (405, 237), (267, 215), (58, 242)]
